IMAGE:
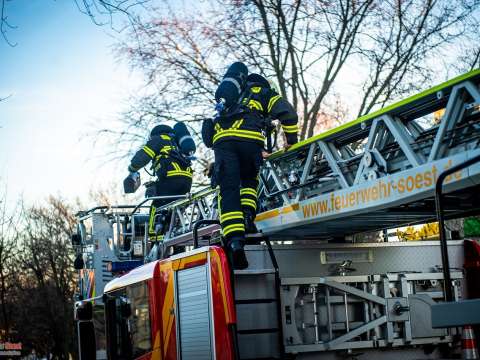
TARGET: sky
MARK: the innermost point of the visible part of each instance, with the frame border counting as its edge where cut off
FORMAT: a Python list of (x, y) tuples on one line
[(64, 83)]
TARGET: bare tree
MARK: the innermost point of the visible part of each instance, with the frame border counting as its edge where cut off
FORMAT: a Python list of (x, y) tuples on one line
[(404, 36), (303, 45), (469, 50), (183, 55), (8, 264), (101, 12), (5, 25), (4, 98), (46, 286), (298, 44)]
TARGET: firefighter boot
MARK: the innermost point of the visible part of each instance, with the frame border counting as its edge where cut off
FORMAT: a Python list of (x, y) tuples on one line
[(236, 253), (249, 216)]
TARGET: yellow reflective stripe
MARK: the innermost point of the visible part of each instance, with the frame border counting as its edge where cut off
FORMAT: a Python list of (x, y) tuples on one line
[(231, 228), (290, 128), (249, 202), (236, 132), (149, 151), (231, 216), (254, 104), (165, 137), (219, 203), (248, 191), (176, 166), (255, 89), (240, 133), (236, 124), (231, 213), (157, 162), (179, 173), (151, 220), (272, 102), (166, 149)]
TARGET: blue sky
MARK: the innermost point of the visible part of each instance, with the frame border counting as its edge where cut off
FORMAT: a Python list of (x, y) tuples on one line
[(64, 82)]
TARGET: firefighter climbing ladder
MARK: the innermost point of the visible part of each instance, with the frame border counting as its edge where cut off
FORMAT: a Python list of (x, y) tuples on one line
[(375, 172)]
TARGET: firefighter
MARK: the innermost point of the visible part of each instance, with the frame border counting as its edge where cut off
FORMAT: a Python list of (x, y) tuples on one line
[(246, 103), (173, 171)]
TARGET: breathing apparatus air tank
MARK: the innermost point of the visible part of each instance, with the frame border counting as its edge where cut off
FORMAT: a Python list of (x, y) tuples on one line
[(232, 85), (184, 139)]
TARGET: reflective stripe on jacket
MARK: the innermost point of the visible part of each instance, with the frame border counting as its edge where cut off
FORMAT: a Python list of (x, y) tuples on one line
[(165, 157), (247, 121)]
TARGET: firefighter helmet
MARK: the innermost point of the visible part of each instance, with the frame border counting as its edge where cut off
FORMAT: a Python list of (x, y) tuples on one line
[(161, 129)]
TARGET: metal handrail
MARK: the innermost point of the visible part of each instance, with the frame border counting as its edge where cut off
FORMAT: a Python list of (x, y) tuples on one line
[(84, 213), (166, 197), (197, 225), (447, 280)]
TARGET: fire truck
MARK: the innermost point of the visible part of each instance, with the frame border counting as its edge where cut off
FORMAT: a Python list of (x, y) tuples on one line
[(314, 288)]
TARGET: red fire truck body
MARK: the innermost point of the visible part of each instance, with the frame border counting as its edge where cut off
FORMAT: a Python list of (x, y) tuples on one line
[(164, 300)]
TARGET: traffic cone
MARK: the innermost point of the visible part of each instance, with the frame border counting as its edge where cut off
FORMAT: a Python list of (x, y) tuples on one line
[(469, 345)]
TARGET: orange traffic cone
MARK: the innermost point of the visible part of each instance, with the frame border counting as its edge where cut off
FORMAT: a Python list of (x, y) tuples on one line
[(469, 345)]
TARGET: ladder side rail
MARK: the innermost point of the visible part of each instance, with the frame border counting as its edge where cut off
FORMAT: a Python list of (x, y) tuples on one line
[(390, 134), (368, 146), (197, 226), (336, 153), (404, 139), (193, 212), (163, 197), (447, 286), (306, 169), (332, 162), (278, 182), (415, 129), (181, 218), (382, 130), (171, 226), (455, 105)]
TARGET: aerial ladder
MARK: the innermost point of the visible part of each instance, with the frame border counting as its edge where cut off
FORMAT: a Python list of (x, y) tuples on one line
[(310, 289)]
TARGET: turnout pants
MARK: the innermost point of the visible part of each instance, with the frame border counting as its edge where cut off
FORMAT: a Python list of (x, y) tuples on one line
[(174, 185), (236, 171)]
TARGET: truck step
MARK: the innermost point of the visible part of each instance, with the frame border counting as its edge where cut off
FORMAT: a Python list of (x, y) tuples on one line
[(257, 331), (255, 301), (254, 272)]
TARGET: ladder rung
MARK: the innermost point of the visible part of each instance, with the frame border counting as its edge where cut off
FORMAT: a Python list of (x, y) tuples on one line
[(255, 301), (257, 331)]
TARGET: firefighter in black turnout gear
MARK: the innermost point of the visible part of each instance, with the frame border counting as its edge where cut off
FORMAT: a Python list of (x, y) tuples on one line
[(245, 105), (173, 171)]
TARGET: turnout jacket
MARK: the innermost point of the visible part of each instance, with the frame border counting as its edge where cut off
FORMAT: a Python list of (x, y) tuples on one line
[(247, 120), (166, 160)]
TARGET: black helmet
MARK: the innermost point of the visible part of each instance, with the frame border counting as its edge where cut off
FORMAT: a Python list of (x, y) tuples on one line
[(161, 129), (258, 79)]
